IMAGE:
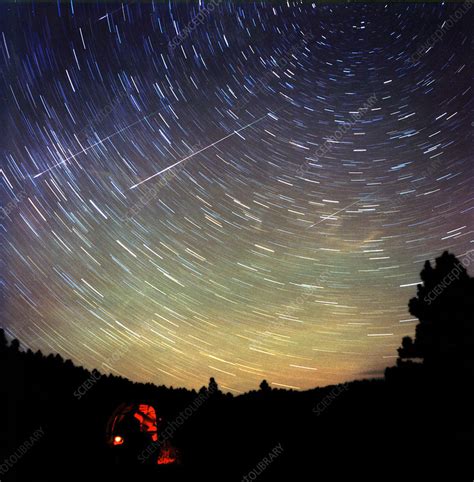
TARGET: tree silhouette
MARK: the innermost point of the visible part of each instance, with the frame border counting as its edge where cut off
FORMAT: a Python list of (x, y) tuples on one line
[(3, 341), (15, 345), (213, 387), (444, 304), (264, 386)]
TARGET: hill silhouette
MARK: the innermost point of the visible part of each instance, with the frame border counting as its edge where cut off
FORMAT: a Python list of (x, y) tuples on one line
[(417, 421)]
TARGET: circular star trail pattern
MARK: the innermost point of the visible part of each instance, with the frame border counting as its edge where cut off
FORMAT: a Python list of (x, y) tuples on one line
[(261, 255)]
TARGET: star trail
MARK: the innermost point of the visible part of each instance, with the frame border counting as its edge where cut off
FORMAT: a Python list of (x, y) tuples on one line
[(240, 190)]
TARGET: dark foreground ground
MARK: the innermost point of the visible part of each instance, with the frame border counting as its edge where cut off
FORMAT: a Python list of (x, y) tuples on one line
[(406, 427)]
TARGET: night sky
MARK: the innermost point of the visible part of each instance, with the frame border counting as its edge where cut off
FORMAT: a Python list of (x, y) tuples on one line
[(322, 155)]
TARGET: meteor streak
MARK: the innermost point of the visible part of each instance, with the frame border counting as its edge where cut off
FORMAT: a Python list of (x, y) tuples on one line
[(201, 150), (100, 141)]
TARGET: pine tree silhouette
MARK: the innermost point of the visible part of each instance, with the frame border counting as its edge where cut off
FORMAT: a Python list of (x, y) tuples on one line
[(444, 304), (264, 386), (213, 387)]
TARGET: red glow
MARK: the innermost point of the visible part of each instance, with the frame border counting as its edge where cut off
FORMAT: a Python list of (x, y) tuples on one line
[(146, 415), (131, 419), (118, 440), (166, 457)]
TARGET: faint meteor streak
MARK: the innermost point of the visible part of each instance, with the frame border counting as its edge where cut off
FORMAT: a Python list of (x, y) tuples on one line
[(331, 216), (202, 150), (100, 141)]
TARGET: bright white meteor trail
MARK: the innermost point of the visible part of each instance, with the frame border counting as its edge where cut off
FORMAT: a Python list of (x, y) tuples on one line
[(100, 141), (201, 150)]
